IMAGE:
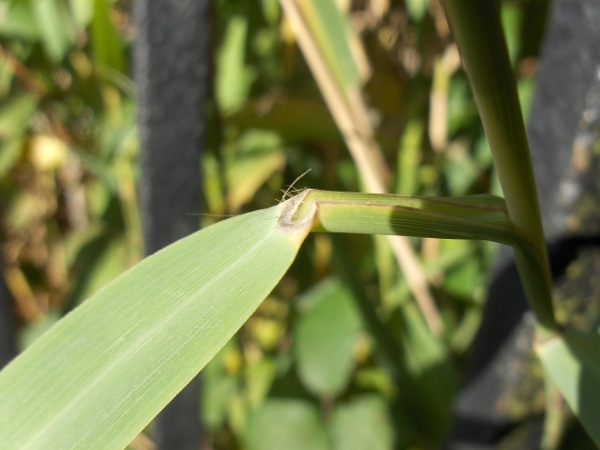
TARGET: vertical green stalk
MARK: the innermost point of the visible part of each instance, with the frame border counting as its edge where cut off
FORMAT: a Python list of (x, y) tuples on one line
[(478, 33)]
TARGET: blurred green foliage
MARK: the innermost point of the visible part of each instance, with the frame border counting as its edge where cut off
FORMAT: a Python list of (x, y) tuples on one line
[(307, 370)]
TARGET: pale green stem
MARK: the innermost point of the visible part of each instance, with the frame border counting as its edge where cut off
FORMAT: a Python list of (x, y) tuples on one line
[(476, 217), (478, 33)]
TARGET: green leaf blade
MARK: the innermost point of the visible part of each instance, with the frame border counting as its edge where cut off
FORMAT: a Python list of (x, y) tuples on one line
[(112, 364), (572, 361)]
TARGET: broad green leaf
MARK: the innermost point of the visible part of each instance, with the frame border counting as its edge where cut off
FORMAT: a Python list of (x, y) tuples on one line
[(105, 370), (572, 360), (362, 423), (325, 337), (288, 424)]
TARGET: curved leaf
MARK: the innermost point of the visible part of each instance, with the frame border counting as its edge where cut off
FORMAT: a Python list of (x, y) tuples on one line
[(572, 360), (105, 370)]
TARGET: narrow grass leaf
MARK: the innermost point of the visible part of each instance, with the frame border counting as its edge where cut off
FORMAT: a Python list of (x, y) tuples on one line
[(54, 25), (572, 360), (233, 78), (109, 48), (105, 370), (332, 32)]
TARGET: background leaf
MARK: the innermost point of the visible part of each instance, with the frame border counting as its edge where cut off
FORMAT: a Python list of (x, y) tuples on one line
[(289, 424), (326, 338), (109, 50), (360, 424), (56, 29)]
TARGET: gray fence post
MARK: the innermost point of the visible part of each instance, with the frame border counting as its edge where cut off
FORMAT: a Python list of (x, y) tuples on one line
[(171, 64), (8, 347)]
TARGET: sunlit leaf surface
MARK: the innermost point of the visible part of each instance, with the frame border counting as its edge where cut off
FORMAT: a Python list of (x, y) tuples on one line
[(110, 366)]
